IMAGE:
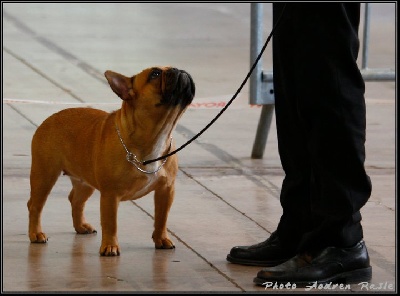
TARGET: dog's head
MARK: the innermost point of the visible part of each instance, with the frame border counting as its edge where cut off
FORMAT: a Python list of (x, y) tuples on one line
[(153, 100), (160, 86)]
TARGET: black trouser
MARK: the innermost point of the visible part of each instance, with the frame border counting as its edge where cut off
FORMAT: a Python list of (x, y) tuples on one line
[(321, 121)]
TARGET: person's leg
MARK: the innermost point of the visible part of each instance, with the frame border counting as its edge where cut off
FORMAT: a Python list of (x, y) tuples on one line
[(320, 114), (327, 92), (291, 132), (292, 142)]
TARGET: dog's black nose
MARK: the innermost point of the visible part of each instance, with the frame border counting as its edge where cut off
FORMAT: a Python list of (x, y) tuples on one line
[(188, 88), (180, 88)]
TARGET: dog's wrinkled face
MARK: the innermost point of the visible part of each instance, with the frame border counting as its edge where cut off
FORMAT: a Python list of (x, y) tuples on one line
[(159, 86)]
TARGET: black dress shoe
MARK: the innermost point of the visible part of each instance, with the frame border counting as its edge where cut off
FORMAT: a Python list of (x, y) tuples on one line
[(267, 253), (331, 265)]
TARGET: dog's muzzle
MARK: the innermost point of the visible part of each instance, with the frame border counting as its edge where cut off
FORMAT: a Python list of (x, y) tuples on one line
[(179, 88)]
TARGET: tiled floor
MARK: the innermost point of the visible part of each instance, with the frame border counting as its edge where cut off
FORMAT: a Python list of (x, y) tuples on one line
[(54, 57)]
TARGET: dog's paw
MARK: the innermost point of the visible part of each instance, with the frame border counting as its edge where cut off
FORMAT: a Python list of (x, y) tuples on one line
[(38, 237), (85, 228), (165, 243), (109, 251)]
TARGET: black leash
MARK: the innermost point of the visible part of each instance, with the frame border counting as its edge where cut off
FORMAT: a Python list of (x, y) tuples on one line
[(230, 101)]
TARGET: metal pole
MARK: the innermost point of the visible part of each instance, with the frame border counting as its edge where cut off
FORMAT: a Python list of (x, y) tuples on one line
[(263, 127), (256, 11), (256, 82), (364, 61)]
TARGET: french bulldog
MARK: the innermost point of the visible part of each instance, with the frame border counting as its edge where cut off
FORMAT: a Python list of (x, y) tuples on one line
[(106, 150)]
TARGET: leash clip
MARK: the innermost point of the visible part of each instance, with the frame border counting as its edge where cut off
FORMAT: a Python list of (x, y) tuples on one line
[(132, 158)]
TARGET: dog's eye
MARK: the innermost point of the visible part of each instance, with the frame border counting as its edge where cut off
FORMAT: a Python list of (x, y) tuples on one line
[(154, 74)]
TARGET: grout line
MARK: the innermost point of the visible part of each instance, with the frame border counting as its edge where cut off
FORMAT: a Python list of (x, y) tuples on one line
[(43, 75), (23, 115), (224, 201), (57, 49), (232, 162), (194, 251)]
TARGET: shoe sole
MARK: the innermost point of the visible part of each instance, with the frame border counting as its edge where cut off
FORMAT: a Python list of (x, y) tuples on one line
[(254, 262), (350, 277)]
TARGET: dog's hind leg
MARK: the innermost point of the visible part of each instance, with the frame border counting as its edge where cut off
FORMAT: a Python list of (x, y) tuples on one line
[(163, 198), (78, 196), (42, 180)]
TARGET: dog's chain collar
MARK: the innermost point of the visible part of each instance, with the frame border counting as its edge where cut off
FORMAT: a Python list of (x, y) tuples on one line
[(132, 158)]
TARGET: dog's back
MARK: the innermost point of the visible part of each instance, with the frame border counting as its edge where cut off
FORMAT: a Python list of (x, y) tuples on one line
[(57, 139)]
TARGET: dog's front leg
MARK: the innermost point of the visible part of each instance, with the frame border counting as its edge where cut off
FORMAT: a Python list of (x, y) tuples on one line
[(163, 198), (108, 216)]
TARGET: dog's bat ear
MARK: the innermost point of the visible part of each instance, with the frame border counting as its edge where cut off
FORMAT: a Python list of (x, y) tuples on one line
[(120, 84)]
